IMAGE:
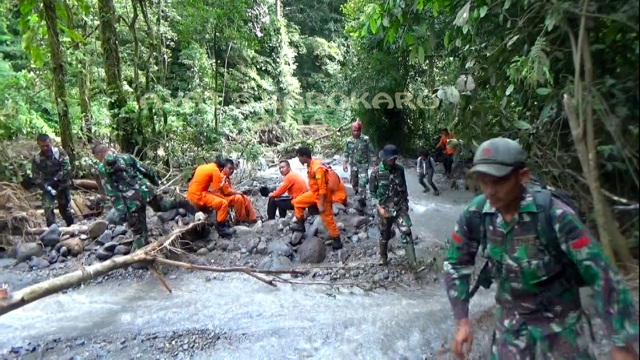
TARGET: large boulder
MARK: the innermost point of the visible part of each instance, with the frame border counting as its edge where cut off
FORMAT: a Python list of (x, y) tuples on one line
[(24, 251), (97, 228), (312, 251), (277, 263), (50, 237), (74, 246), (105, 237), (280, 247)]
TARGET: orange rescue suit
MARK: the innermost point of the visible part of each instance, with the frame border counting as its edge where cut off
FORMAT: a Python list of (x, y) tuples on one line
[(338, 190), (293, 184), (445, 144), (318, 183), (239, 202), (205, 176)]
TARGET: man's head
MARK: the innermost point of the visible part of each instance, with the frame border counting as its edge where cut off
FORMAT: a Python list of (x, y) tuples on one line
[(219, 163), (501, 170), (44, 143), (356, 129), (284, 167), (423, 154), (444, 132), (304, 155), (229, 167), (389, 154), (99, 151)]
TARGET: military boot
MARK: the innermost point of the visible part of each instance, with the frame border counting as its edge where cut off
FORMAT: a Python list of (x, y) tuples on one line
[(411, 256), (50, 217), (383, 252), (298, 226), (187, 206), (225, 230), (362, 203), (68, 217), (336, 243)]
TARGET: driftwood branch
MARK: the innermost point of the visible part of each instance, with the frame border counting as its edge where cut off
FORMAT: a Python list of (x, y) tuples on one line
[(71, 230)]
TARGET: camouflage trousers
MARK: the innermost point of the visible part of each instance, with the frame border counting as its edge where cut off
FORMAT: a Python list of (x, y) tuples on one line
[(137, 215), (402, 221), (63, 195), (523, 343), (359, 180)]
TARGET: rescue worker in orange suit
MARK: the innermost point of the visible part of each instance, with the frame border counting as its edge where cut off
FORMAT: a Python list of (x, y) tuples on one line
[(319, 195), (204, 177), (447, 151), (240, 203), (293, 185), (336, 185)]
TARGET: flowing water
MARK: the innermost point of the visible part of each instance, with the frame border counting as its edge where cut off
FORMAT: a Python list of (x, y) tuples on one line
[(260, 322)]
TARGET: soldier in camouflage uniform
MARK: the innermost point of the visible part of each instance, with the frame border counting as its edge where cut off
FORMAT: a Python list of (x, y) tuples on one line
[(131, 186), (538, 302), (388, 188), (51, 170), (357, 155)]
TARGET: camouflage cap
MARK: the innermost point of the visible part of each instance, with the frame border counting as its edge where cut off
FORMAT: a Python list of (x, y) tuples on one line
[(498, 157)]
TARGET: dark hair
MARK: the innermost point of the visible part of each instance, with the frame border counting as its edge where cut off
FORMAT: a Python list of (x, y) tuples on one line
[(445, 130), (43, 138), (285, 162), (304, 151), (219, 162), (99, 148), (229, 162), (423, 152)]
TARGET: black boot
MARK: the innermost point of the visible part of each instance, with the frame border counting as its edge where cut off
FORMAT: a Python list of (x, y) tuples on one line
[(383, 251), (225, 230), (50, 216), (299, 226), (68, 218), (336, 243), (362, 203), (187, 206)]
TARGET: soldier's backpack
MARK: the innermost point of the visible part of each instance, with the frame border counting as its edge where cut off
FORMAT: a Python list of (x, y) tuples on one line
[(569, 276)]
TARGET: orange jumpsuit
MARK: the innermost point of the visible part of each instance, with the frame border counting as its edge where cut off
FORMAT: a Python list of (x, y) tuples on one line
[(445, 144), (338, 190), (293, 184), (240, 203), (198, 194), (318, 181)]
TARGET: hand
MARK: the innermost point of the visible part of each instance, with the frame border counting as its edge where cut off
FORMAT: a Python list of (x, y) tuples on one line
[(463, 336), (345, 168), (321, 207), (623, 353), (382, 211)]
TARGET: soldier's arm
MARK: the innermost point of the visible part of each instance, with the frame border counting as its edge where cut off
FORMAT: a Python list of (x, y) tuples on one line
[(106, 172), (373, 187), (36, 174), (65, 169), (615, 304), (347, 153), (459, 264)]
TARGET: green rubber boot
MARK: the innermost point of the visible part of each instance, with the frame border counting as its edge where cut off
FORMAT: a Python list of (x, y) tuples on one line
[(411, 256), (383, 252)]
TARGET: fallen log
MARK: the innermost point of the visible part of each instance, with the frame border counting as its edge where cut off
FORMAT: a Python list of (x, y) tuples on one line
[(85, 184), (71, 230)]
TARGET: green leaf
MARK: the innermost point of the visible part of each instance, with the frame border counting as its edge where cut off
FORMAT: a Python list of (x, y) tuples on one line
[(447, 39), (483, 11), (421, 54), (372, 23), (543, 91), (507, 4), (412, 55), (409, 38), (27, 6), (522, 125), (509, 90)]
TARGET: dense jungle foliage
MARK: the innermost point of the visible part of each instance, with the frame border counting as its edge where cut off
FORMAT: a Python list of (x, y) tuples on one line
[(176, 81)]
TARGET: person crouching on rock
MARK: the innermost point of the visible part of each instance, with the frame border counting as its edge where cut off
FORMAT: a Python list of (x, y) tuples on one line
[(131, 186), (240, 203), (293, 185), (320, 195), (210, 176), (388, 188)]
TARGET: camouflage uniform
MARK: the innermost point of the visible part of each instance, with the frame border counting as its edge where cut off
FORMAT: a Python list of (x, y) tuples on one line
[(130, 185), (525, 270), (358, 153), (388, 187), (54, 170)]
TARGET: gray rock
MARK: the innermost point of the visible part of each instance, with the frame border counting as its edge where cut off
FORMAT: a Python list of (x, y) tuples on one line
[(203, 251), (83, 237), (53, 257), (64, 251), (253, 244), (102, 254), (340, 226), (97, 228), (223, 244), (261, 249), (316, 228), (381, 276), (21, 267), (6, 263), (182, 212), (213, 236), (212, 246), (168, 216), (312, 251), (243, 230), (352, 211), (110, 246), (278, 263), (280, 247), (233, 246), (363, 236), (24, 251), (337, 208), (38, 263), (355, 238), (359, 221), (113, 217), (50, 237), (119, 230), (296, 238), (105, 237), (121, 250), (270, 226), (186, 220)]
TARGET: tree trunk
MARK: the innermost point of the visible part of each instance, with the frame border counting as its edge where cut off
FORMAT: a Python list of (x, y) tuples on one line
[(117, 101), (58, 73)]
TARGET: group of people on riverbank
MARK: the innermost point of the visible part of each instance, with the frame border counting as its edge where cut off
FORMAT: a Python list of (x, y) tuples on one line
[(538, 251)]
